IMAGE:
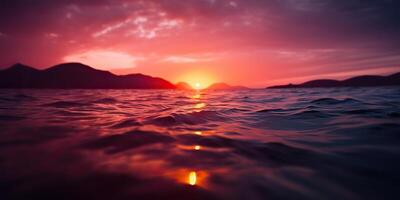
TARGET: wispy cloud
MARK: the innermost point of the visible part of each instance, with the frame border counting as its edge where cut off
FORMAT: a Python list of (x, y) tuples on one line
[(111, 28), (187, 59), (140, 26)]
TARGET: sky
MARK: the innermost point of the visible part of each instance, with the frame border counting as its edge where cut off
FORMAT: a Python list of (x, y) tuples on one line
[(254, 43)]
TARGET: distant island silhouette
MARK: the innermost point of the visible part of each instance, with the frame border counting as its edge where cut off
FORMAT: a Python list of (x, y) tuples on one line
[(224, 86), (80, 76), (76, 76), (183, 86), (358, 81), (215, 86)]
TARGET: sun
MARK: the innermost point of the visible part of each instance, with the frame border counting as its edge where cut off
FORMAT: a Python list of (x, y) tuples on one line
[(197, 80), (197, 86)]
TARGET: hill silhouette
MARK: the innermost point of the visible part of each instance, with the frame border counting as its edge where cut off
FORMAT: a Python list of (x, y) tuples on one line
[(224, 86), (183, 86), (76, 76), (358, 81)]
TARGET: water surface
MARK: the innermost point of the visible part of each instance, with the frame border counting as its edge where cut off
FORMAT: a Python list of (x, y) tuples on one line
[(337, 143)]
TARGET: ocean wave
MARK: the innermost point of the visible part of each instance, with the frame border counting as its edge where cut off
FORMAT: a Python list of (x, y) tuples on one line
[(311, 114), (126, 123), (394, 114), (332, 101), (281, 144), (24, 97), (271, 110), (126, 141), (363, 111), (105, 101), (18, 98), (11, 118), (66, 104), (234, 110), (187, 118)]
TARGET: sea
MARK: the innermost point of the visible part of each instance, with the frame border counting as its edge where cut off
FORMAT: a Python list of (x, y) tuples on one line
[(315, 143)]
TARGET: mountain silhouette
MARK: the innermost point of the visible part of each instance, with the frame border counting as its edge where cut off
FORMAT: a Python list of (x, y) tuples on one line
[(358, 81), (224, 86), (183, 86), (76, 76)]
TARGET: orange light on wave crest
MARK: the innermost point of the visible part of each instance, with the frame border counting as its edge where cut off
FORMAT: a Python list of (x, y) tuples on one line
[(192, 178), (199, 105), (198, 132), (196, 96)]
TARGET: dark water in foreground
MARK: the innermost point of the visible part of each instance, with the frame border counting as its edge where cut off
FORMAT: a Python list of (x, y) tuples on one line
[(252, 144)]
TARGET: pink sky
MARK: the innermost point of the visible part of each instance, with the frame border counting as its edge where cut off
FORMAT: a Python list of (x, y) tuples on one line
[(241, 42)]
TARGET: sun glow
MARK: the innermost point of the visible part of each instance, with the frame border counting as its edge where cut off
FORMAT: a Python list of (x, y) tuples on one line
[(197, 80), (197, 86), (104, 59)]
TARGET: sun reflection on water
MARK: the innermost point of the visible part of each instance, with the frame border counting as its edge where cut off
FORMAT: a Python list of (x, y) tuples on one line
[(198, 132), (196, 96), (199, 105), (192, 178)]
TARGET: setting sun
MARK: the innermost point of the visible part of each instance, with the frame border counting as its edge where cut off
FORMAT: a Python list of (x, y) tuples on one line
[(200, 84), (197, 85), (198, 79)]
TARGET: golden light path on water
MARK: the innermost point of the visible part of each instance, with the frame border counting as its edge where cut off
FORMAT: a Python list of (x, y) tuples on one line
[(192, 177)]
